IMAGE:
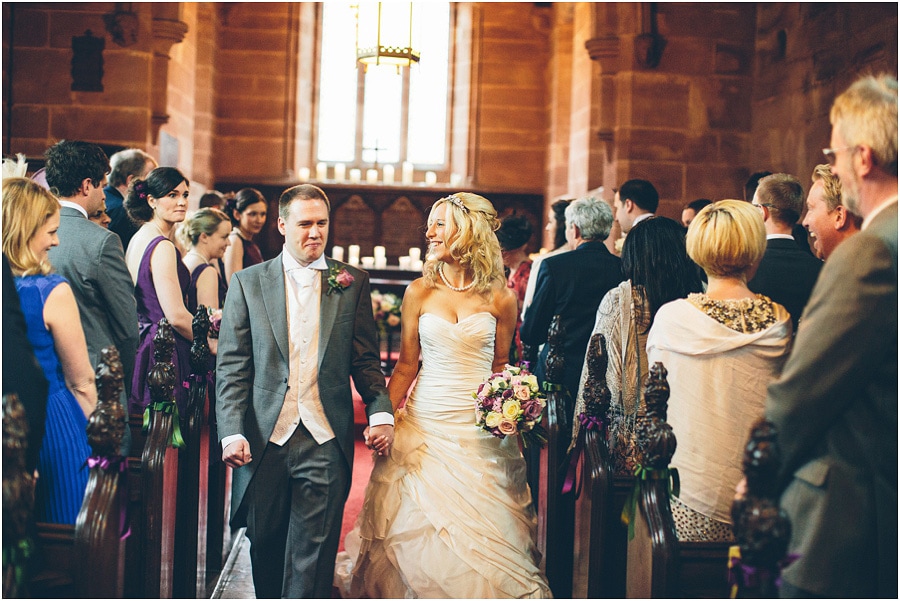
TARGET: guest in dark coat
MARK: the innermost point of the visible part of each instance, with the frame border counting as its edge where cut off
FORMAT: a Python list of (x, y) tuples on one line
[(124, 166), (572, 285), (787, 273)]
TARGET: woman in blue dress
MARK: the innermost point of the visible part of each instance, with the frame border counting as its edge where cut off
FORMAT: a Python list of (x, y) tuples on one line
[(161, 279), (30, 223)]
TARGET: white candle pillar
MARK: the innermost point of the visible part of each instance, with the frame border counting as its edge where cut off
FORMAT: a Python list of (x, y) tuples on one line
[(340, 172), (337, 253), (388, 173), (372, 176), (415, 254), (355, 176), (353, 254), (303, 175), (321, 171), (430, 178), (407, 172)]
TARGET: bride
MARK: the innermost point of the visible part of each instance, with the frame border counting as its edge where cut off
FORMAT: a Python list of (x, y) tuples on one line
[(448, 512)]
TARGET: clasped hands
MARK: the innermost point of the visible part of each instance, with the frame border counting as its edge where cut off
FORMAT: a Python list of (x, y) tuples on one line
[(379, 438)]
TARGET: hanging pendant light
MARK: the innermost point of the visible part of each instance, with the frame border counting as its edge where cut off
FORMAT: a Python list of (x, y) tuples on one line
[(384, 34)]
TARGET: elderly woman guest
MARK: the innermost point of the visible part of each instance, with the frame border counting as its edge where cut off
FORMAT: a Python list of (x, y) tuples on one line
[(514, 234), (161, 280), (721, 349), (247, 210), (556, 225), (30, 223), (206, 234), (658, 270)]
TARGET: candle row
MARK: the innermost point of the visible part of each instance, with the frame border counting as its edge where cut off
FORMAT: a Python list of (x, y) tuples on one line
[(379, 260), (387, 174)]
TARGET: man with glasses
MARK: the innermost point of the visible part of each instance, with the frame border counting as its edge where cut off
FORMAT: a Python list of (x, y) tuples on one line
[(835, 404), (786, 273)]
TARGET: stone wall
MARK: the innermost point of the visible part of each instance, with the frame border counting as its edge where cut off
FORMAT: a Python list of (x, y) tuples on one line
[(807, 54)]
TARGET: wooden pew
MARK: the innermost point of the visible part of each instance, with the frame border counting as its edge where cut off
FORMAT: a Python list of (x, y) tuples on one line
[(18, 497), (658, 565), (762, 530), (189, 576), (85, 560), (600, 544), (153, 481), (556, 510)]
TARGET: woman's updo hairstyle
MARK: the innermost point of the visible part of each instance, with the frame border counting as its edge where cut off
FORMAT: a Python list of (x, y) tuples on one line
[(471, 226), (514, 232), (205, 221), (159, 182), (727, 238), (240, 201)]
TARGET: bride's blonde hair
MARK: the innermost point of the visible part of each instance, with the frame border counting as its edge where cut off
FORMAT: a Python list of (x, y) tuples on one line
[(471, 240)]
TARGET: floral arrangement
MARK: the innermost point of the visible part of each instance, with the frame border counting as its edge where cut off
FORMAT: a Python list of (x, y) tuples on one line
[(511, 402), (386, 309), (339, 279), (215, 321)]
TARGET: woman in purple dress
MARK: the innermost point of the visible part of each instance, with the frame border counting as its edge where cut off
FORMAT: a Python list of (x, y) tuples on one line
[(30, 222), (161, 279), (247, 211)]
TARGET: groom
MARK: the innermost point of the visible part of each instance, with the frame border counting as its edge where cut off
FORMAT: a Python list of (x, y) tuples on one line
[(294, 330)]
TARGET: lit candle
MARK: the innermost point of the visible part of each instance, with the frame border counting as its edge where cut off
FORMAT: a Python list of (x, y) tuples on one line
[(321, 171), (404, 263), (388, 171), (340, 172), (371, 176), (337, 253), (430, 178), (368, 262), (407, 172), (379, 252), (380, 263), (415, 254), (355, 176), (353, 254), (304, 174)]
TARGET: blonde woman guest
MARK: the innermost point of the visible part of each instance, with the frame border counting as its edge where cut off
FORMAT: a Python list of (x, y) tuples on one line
[(161, 280), (247, 210), (30, 224), (448, 488), (722, 349), (206, 234)]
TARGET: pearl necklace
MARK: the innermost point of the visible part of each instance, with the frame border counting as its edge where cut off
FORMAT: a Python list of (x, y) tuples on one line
[(199, 254), (451, 286)]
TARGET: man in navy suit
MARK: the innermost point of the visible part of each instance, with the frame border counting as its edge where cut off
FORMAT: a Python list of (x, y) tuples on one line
[(786, 273)]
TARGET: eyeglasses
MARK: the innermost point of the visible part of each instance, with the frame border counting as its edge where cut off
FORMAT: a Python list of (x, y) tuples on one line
[(831, 153), (761, 205)]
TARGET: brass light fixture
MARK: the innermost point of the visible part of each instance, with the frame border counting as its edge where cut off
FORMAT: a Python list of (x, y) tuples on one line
[(384, 34)]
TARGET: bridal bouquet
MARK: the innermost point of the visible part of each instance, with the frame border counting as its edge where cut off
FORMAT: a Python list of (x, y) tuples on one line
[(510, 402), (215, 321)]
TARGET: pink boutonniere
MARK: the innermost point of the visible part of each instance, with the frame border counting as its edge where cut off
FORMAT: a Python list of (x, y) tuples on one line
[(339, 279)]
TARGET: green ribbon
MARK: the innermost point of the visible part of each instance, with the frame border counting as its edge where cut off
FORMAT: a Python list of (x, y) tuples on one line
[(551, 387), (17, 555), (647, 473), (175, 440)]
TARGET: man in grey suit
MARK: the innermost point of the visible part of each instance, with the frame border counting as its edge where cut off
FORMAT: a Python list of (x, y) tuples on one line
[(294, 330), (91, 257), (835, 404)]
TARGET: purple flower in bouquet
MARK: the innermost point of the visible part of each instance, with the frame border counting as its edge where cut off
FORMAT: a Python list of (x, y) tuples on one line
[(510, 402), (532, 409)]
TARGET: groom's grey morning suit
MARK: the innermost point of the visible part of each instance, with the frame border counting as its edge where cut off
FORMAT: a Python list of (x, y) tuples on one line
[(258, 360)]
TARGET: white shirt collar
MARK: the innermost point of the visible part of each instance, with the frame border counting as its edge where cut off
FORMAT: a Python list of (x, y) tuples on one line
[(290, 263), (640, 218), (779, 237), (880, 208), (72, 205)]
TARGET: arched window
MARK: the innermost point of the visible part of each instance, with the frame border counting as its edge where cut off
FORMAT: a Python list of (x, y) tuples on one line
[(384, 115)]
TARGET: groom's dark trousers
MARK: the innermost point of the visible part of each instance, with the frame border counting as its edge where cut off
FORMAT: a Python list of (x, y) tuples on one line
[(294, 517)]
